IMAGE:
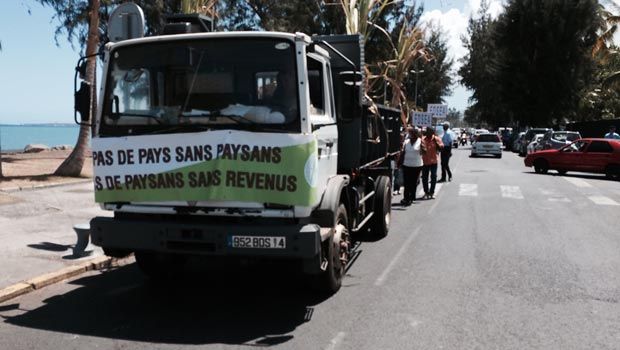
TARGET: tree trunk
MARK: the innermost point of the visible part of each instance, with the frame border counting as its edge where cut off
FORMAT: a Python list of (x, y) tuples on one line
[(72, 166)]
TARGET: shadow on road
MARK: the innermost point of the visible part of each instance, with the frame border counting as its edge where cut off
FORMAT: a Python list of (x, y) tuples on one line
[(240, 306), (54, 247)]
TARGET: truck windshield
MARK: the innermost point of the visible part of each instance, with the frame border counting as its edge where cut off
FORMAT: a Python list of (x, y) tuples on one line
[(198, 84)]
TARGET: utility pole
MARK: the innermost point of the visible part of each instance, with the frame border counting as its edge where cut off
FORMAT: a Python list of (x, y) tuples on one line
[(415, 94)]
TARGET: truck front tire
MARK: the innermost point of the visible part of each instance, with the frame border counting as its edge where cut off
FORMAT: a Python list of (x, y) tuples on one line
[(329, 281), (380, 221)]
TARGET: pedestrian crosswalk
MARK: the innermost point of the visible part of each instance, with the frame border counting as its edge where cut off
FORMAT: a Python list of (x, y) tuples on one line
[(512, 192)]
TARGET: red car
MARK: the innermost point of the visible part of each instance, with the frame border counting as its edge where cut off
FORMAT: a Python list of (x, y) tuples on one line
[(585, 155)]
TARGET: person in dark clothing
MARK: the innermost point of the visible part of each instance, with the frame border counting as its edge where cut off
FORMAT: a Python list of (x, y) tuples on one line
[(446, 152)]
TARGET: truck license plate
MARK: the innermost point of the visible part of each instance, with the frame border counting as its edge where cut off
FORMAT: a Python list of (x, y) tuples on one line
[(256, 242)]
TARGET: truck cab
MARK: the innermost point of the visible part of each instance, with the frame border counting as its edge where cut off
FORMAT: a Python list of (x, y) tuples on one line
[(239, 144)]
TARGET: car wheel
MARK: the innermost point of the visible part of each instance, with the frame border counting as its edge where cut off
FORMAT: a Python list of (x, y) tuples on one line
[(613, 172), (561, 171), (541, 166)]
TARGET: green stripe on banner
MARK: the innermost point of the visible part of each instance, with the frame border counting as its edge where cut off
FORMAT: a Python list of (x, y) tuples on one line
[(279, 181)]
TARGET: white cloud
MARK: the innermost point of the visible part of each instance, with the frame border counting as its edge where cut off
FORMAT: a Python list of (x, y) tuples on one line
[(453, 23)]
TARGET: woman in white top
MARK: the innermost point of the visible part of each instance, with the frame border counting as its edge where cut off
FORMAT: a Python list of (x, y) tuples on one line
[(412, 164)]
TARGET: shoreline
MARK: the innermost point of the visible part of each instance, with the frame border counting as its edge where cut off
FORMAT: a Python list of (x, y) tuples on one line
[(24, 170)]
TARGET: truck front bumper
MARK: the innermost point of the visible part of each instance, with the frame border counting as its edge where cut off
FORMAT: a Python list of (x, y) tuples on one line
[(301, 240)]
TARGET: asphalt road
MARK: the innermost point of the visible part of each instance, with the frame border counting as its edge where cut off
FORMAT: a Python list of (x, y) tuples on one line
[(502, 259)]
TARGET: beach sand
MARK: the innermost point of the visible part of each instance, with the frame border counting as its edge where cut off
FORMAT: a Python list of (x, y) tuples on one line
[(33, 169)]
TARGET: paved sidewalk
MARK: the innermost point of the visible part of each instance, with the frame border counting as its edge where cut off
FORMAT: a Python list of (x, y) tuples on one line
[(36, 231)]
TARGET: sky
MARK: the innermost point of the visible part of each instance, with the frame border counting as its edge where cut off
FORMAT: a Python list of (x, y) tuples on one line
[(36, 75)]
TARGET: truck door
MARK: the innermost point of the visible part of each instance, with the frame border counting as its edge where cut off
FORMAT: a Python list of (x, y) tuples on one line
[(321, 114)]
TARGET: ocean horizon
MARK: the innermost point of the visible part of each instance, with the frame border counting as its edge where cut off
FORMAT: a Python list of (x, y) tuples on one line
[(15, 137)]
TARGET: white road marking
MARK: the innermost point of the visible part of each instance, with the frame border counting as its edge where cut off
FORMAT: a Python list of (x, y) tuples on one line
[(577, 182), (468, 190), (333, 344), (401, 251), (554, 196), (511, 192), (602, 200), (559, 199)]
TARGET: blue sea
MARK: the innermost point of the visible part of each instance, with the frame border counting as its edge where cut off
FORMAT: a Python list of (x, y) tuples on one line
[(16, 137)]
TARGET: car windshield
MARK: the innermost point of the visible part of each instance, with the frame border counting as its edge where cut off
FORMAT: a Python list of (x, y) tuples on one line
[(488, 138), (207, 82)]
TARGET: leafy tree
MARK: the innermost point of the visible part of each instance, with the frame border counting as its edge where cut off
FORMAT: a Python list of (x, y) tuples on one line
[(83, 17), (435, 82), (601, 99), (545, 62), (85, 21), (454, 117), (479, 70)]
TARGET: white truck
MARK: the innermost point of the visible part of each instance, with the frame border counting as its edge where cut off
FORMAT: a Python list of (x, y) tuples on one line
[(239, 145)]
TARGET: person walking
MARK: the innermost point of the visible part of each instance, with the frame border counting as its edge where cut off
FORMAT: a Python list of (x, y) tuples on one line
[(430, 147), (411, 164), (612, 133), (446, 152)]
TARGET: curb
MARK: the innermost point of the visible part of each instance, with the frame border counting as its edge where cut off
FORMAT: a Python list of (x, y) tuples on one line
[(47, 279), (40, 187)]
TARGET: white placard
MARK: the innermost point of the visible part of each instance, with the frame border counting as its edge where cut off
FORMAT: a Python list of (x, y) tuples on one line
[(422, 118), (437, 110)]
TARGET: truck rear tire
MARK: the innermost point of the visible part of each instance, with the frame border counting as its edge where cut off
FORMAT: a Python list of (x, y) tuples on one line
[(160, 266), (380, 221), (330, 280)]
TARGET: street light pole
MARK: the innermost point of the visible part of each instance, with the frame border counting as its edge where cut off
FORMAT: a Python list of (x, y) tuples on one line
[(415, 94)]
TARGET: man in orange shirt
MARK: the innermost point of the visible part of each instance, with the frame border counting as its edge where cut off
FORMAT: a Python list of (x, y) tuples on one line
[(430, 148)]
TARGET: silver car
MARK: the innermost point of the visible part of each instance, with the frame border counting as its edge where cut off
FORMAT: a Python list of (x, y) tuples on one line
[(557, 139), (487, 144)]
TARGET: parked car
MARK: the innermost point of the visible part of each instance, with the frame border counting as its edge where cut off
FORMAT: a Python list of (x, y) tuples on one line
[(557, 139), (531, 147), (487, 144), (529, 135), (593, 155), (516, 143)]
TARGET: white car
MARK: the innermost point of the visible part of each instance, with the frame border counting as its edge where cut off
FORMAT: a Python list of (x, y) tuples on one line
[(531, 147), (487, 144)]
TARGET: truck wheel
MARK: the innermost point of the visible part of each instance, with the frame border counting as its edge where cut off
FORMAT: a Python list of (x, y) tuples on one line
[(159, 266), (380, 221), (335, 255)]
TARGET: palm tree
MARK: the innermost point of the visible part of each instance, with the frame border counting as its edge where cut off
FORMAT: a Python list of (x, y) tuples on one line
[(609, 27), (72, 166), (361, 16), (204, 7)]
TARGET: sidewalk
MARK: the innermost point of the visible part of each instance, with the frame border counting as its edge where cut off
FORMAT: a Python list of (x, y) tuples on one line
[(37, 234)]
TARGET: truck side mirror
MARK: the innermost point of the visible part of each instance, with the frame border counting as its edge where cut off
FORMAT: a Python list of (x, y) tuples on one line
[(82, 103)]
